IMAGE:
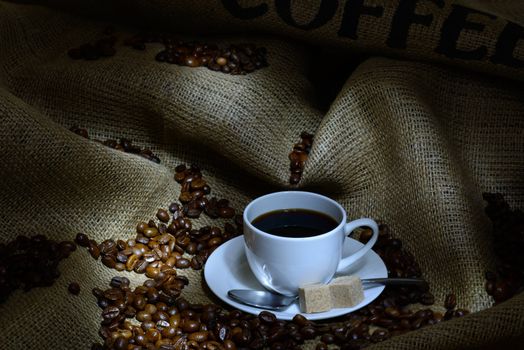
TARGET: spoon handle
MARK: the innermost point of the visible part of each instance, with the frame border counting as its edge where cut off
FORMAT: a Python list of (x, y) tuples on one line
[(394, 281)]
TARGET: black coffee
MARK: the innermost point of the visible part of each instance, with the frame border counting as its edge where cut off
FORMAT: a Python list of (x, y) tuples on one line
[(295, 223)]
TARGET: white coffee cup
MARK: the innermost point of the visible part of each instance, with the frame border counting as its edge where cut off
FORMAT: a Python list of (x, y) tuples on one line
[(283, 264)]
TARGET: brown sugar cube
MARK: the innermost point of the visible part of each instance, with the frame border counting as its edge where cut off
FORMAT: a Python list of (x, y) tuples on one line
[(314, 298), (346, 291)]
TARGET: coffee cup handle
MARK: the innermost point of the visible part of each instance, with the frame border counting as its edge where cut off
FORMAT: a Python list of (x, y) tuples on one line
[(348, 228)]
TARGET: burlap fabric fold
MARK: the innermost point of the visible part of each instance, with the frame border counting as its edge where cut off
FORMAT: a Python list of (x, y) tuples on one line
[(410, 144), (484, 36)]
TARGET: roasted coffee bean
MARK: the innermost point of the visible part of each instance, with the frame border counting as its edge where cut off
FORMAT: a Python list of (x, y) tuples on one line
[(308, 332), (267, 317), (174, 207), (160, 316), (120, 343), (300, 320), (196, 263), (180, 176), (150, 283), (108, 247), (152, 272), (198, 184), (82, 240), (190, 326), (182, 263), (93, 249), (141, 227), (143, 316), (150, 232), (365, 235), (215, 241), (151, 256), (185, 197), (119, 282), (162, 215), (66, 248), (153, 335), (74, 288), (392, 312), (132, 262), (153, 295), (110, 313), (120, 267), (199, 337), (98, 293), (103, 303), (417, 323), (193, 213), (108, 261), (121, 257), (450, 301), (113, 294), (139, 302), (294, 179), (226, 212), (141, 266)]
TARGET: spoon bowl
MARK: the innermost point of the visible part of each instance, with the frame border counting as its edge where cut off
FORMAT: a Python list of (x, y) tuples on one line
[(261, 298)]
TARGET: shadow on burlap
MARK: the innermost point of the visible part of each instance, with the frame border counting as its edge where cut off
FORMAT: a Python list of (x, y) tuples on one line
[(410, 144)]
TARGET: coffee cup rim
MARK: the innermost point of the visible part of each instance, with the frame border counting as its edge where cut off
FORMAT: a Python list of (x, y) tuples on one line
[(340, 224)]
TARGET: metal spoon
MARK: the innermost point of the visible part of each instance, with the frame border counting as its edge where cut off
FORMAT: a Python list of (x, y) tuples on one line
[(272, 301)]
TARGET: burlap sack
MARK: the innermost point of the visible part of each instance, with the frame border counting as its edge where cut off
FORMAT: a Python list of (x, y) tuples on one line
[(448, 31), (410, 144)]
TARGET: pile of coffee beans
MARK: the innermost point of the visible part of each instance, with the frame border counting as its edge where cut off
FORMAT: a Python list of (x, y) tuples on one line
[(30, 262), (508, 243), (158, 249), (399, 309), (123, 145), (298, 157), (235, 59), (193, 195), (147, 318), (167, 325)]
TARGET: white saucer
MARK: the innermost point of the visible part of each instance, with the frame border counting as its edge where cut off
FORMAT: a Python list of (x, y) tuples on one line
[(227, 268)]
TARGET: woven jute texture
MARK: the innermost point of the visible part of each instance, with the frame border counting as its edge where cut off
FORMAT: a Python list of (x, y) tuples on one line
[(411, 144), (509, 9)]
